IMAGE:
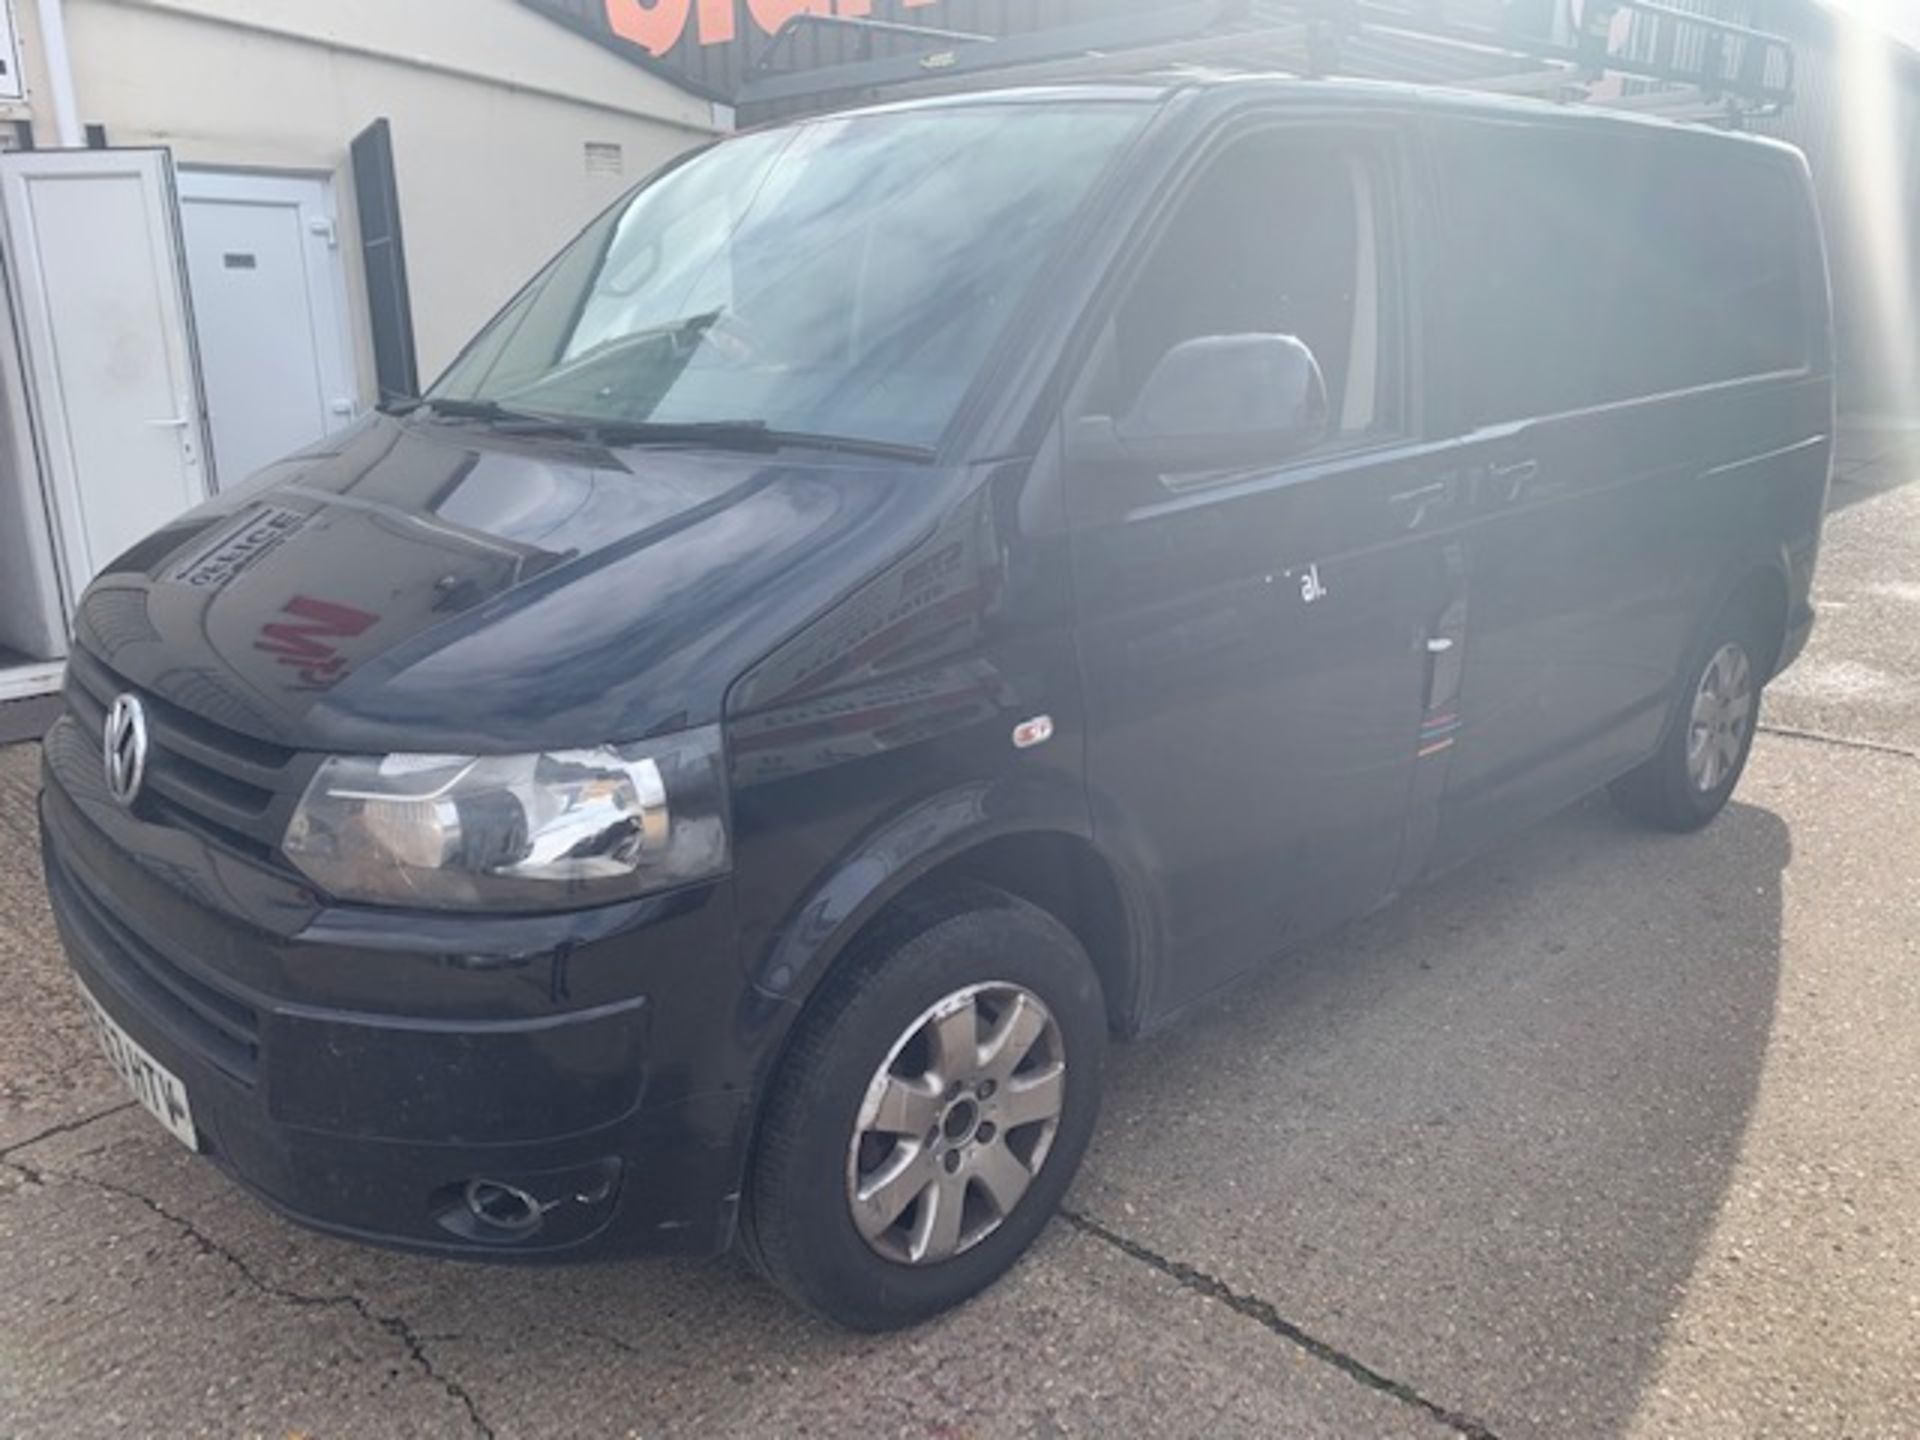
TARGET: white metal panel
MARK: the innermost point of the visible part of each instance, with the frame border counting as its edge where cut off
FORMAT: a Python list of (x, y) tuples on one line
[(100, 298), (270, 312), (33, 614)]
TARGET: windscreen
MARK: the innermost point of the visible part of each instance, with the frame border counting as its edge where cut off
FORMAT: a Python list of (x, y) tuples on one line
[(843, 277)]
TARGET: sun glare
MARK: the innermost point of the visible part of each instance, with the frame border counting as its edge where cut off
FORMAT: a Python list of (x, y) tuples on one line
[(1873, 126)]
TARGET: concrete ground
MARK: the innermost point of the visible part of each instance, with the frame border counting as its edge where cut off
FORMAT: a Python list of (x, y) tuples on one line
[(1607, 1134)]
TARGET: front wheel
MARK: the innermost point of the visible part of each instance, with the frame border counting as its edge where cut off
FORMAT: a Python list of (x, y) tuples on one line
[(930, 1113), (1692, 776)]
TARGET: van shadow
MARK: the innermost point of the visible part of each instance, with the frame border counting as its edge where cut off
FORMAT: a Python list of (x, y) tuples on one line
[(1479, 1140), (1476, 1142)]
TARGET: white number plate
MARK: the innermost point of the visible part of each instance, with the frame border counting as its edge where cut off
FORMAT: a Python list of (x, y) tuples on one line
[(153, 1085)]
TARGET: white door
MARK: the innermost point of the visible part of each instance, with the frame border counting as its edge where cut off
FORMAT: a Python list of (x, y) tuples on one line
[(269, 305), (93, 260)]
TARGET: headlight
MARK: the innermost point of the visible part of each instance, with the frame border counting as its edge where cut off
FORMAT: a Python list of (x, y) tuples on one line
[(553, 830)]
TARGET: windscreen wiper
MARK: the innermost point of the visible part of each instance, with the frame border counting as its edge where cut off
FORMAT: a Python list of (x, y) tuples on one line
[(754, 435), (720, 434), (748, 435), (730, 433), (505, 417)]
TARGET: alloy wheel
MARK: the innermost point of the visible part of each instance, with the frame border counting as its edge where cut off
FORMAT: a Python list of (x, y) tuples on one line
[(956, 1123), (1722, 712)]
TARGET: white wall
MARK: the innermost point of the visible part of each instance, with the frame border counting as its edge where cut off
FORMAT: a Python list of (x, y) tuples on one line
[(490, 105)]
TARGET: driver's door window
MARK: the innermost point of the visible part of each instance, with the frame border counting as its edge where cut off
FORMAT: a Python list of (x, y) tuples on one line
[(1278, 236)]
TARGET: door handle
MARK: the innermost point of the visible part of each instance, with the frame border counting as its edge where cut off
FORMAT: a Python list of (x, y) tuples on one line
[(1421, 499), (1439, 644), (189, 452), (1512, 479)]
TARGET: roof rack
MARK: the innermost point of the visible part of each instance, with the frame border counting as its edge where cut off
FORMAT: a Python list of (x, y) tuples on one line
[(1641, 55)]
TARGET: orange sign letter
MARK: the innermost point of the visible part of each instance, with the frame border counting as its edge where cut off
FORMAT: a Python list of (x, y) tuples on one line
[(655, 27), (716, 21)]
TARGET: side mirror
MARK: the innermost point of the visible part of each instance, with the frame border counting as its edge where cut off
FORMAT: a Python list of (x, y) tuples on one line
[(1216, 402)]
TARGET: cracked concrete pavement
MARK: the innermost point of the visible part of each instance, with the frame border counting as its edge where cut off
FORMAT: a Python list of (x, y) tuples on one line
[(1605, 1134)]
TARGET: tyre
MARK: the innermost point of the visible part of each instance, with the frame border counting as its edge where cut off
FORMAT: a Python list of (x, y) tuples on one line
[(1692, 775), (930, 1112)]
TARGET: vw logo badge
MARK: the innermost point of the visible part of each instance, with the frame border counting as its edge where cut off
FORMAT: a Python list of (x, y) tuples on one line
[(125, 748)]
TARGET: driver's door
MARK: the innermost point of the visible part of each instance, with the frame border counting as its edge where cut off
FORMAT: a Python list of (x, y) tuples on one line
[(1268, 654)]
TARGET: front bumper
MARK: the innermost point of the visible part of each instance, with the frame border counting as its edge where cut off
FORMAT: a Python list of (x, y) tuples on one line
[(359, 1070)]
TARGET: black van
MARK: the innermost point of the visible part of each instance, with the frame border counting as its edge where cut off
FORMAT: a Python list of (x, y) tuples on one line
[(905, 596)]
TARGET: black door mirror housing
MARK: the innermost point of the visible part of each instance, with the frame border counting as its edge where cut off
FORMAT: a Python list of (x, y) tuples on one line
[(1217, 402)]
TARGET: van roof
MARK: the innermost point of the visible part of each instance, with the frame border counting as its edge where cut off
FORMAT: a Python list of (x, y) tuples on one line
[(1161, 86)]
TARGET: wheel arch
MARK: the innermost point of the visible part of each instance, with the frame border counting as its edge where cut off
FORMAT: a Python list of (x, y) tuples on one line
[(1068, 877), (1036, 853), (1762, 591), (1757, 580)]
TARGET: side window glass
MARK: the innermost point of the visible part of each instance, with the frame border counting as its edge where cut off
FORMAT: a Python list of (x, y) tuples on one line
[(1721, 265), (1279, 235), (1587, 269)]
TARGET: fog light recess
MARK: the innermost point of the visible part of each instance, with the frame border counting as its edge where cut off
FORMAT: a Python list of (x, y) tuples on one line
[(502, 1206)]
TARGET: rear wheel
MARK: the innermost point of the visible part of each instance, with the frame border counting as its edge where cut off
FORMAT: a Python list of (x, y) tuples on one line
[(931, 1112), (1693, 774)]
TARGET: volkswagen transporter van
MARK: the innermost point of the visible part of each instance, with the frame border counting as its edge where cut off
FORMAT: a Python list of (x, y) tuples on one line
[(907, 596)]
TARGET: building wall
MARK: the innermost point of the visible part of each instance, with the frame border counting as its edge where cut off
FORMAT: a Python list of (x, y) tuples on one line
[(491, 109)]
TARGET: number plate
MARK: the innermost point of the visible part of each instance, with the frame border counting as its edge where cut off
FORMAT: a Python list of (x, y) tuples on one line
[(153, 1085)]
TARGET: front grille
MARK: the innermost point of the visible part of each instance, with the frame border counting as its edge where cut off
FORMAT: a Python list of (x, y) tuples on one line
[(199, 1013), (227, 787)]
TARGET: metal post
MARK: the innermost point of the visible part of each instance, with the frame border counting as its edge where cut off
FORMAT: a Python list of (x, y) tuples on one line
[(53, 44)]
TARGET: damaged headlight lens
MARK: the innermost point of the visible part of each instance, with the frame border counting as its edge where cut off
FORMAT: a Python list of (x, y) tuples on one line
[(558, 829)]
